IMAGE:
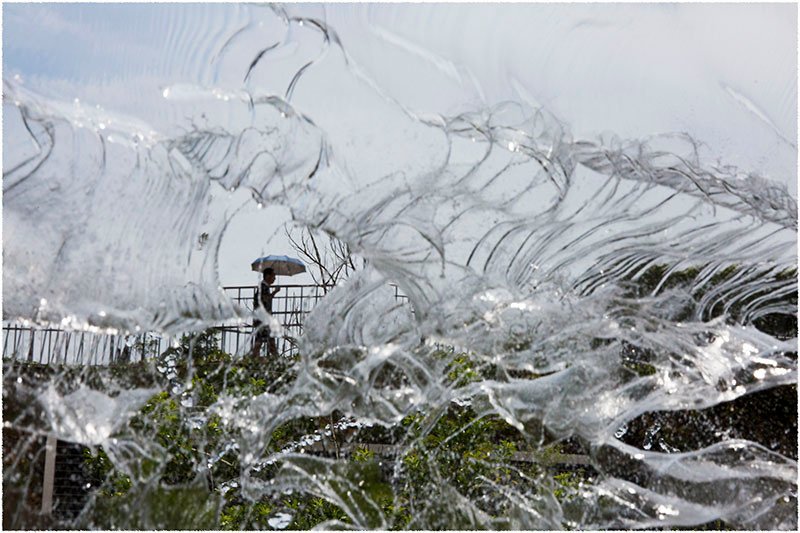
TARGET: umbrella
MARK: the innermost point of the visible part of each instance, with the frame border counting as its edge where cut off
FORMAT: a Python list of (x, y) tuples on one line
[(281, 264)]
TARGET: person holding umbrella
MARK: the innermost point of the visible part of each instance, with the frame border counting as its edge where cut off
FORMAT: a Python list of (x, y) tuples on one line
[(270, 266), (263, 298)]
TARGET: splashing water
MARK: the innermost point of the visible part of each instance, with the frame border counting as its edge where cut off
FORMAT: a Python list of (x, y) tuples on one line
[(560, 289)]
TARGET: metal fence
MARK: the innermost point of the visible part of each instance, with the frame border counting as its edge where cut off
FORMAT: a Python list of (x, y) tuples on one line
[(56, 346), (289, 306)]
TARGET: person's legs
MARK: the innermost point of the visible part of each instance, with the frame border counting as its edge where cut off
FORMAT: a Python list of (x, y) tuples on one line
[(272, 345), (257, 340)]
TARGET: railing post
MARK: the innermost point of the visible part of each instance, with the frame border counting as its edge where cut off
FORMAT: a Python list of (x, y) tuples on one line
[(30, 346), (49, 473), (5, 341), (41, 351), (67, 340)]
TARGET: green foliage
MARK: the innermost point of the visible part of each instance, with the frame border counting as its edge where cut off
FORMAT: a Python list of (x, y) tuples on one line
[(244, 516), (210, 373), (363, 455), (463, 447), (457, 447), (462, 370), (641, 369), (310, 511), (455, 452), (189, 507), (568, 484), (98, 467), (726, 301)]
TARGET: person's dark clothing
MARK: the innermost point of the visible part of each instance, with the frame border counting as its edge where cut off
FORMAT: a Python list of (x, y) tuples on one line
[(263, 298), (266, 295)]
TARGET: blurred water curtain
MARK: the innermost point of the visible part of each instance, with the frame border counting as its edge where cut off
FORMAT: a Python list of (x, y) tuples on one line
[(598, 332)]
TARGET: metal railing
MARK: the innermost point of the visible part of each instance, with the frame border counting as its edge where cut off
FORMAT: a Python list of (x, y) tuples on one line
[(53, 346), (56, 346), (289, 306)]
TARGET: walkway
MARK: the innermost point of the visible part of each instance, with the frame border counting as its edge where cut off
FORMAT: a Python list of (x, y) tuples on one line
[(56, 346)]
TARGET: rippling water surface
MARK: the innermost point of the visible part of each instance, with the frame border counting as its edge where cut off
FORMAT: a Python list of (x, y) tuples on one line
[(595, 287)]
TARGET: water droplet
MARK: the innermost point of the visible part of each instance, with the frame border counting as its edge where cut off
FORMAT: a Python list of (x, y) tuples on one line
[(280, 521)]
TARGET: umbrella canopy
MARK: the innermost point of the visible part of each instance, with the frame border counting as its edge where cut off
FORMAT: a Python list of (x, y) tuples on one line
[(282, 265)]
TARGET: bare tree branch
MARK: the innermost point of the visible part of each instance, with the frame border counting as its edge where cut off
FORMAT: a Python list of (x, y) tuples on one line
[(329, 262)]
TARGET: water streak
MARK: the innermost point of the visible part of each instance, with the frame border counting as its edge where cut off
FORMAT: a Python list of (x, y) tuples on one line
[(599, 280)]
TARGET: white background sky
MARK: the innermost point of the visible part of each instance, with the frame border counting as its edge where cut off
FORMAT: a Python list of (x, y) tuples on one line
[(727, 74)]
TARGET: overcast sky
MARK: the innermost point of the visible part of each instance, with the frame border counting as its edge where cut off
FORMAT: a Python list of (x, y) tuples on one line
[(727, 74)]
